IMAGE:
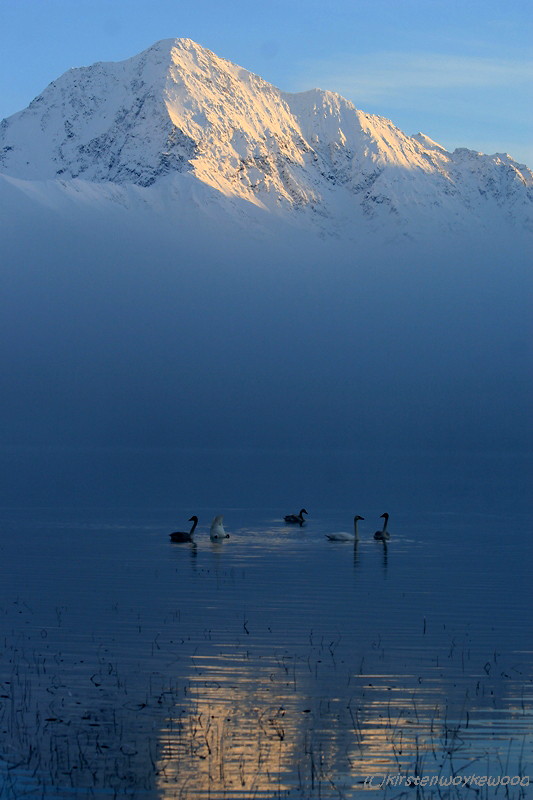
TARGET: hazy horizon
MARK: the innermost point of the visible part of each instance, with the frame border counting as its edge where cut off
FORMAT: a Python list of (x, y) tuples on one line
[(119, 335)]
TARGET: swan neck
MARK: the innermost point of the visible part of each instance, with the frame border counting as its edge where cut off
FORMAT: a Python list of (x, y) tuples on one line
[(355, 528)]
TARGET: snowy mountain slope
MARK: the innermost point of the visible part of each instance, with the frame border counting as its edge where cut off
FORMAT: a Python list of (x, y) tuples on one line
[(178, 112)]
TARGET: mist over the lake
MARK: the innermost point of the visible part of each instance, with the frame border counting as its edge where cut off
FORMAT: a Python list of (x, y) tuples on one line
[(219, 365)]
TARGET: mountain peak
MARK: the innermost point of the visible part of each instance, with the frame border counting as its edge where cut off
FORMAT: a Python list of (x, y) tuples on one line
[(428, 143)]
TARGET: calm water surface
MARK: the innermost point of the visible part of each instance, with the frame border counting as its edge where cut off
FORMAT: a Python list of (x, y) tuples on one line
[(274, 664)]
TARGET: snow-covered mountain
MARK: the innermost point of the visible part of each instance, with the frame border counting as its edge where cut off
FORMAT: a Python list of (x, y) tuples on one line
[(177, 116)]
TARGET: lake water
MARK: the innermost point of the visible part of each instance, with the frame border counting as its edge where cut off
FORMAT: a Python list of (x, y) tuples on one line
[(276, 664)]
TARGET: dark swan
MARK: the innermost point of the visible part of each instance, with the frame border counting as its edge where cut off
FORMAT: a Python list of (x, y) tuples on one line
[(181, 536), (383, 534), (297, 519)]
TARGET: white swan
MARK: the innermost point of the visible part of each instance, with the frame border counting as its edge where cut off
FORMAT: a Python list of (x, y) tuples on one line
[(343, 536), (182, 536), (296, 518), (217, 531), (383, 534)]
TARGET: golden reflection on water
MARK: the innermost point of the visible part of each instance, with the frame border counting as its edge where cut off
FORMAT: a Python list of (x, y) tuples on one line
[(253, 728), (237, 732), (248, 728)]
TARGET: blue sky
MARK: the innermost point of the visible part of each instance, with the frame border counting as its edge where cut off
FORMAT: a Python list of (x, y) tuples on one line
[(461, 72)]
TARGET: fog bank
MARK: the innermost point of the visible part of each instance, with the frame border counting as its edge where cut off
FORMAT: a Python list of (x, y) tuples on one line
[(126, 331)]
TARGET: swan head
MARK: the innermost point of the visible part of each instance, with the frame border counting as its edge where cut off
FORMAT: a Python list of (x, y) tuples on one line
[(193, 519), (357, 518), (303, 511), (386, 516)]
